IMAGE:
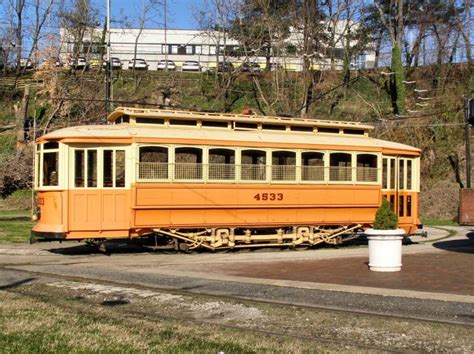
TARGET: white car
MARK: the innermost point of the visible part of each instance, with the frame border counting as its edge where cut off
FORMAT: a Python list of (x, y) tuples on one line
[(139, 64), (116, 64), (26, 63), (163, 65), (79, 63), (191, 66)]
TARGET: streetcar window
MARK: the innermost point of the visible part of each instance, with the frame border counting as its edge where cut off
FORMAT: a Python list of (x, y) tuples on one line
[(243, 125), (392, 203), (301, 128), (108, 179), (113, 168), (50, 168), (366, 168), (409, 205), (340, 167), (221, 164), (214, 124), (85, 168), (283, 166), (50, 145), (312, 168), (273, 127), (79, 168), (253, 165), (354, 131), (183, 122), (91, 168), (153, 154), (328, 130), (401, 174), (409, 174), (401, 206), (392, 173), (188, 163), (149, 120), (384, 173), (120, 168), (153, 162), (123, 119)]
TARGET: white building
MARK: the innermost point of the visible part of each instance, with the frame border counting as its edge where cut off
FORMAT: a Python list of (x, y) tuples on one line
[(206, 47)]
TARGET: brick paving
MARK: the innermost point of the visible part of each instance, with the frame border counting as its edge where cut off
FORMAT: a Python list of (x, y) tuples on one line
[(445, 271)]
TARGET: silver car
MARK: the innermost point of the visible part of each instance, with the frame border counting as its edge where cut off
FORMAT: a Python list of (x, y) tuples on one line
[(138, 64), (191, 66), (166, 64)]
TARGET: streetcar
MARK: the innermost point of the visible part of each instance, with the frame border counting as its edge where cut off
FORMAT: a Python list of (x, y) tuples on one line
[(192, 180)]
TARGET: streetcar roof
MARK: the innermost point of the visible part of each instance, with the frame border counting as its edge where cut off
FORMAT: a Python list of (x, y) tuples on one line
[(126, 133), (145, 113)]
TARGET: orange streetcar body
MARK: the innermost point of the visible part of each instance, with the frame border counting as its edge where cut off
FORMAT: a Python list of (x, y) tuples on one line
[(219, 180)]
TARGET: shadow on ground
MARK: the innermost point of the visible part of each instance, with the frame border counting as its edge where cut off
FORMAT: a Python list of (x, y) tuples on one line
[(16, 283), (84, 249), (461, 245)]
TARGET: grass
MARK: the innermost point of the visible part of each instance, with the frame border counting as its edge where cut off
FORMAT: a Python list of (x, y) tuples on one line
[(31, 323), (14, 231), (438, 222), (14, 213)]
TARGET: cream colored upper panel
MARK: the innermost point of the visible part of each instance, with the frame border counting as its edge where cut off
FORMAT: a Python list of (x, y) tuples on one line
[(123, 131)]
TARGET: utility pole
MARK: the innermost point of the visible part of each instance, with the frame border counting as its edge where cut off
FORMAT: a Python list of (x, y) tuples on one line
[(166, 41), (108, 71)]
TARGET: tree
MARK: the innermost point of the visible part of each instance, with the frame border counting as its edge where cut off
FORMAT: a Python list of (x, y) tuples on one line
[(391, 15), (148, 12), (261, 24), (78, 20), (42, 10), (310, 27), (19, 6)]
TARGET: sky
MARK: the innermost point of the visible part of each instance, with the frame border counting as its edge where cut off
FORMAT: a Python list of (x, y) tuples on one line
[(180, 12)]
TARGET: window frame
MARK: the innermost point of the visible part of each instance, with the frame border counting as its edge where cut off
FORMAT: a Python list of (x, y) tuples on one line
[(39, 166)]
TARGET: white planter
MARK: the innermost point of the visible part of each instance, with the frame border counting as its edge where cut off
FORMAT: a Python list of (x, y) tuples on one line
[(385, 249)]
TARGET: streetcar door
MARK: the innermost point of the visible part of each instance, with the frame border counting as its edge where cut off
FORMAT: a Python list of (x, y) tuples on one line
[(98, 189), (398, 185)]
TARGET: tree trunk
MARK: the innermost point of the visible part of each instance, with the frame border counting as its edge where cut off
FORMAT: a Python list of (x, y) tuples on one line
[(398, 87), (21, 117)]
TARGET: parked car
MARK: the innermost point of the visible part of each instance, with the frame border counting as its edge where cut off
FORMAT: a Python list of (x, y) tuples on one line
[(26, 63), (224, 66), (58, 63), (275, 66), (250, 68), (166, 64), (80, 63), (138, 64), (116, 64), (191, 65)]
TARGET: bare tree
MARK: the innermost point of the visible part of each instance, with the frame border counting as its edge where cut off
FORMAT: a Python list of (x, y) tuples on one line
[(42, 10), (18, 6), (149, 11)]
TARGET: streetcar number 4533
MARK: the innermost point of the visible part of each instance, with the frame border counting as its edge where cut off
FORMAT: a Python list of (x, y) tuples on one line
[(268, 196)]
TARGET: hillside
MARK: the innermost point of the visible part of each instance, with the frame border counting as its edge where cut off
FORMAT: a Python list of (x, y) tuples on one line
[(433, 123)]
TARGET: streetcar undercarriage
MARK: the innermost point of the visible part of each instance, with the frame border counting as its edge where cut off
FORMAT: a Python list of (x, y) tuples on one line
[(235, 238)]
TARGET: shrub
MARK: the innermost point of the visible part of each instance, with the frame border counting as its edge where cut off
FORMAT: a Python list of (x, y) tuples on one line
[(385, 218)]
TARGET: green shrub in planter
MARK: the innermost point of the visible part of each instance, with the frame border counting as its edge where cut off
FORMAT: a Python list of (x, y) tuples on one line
[(385, 218)]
